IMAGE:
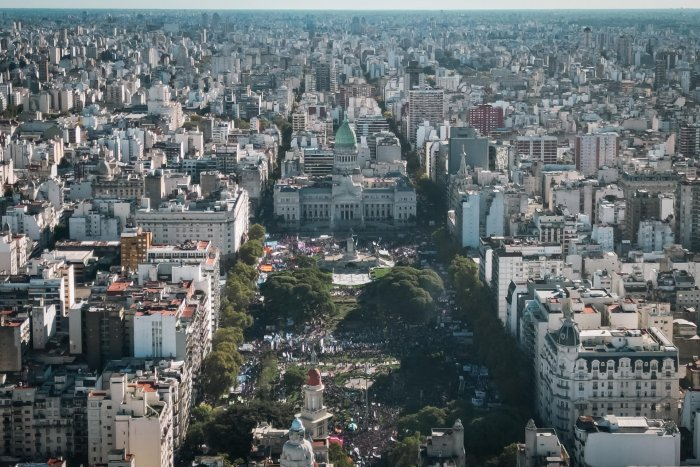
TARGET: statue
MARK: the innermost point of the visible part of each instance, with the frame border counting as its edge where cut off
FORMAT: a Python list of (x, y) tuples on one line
[(297, 451)]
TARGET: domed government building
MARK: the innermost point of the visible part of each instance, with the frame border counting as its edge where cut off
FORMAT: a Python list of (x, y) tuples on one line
[(359, 192)]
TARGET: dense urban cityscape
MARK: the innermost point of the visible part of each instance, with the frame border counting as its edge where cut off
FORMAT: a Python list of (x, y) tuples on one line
[(349, 238)]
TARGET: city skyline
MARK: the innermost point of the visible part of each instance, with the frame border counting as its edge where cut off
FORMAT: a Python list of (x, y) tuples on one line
[(405, 5)]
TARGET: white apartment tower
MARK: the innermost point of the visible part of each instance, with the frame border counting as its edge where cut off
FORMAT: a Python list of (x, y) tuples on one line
[(129, 416), (594, 151)]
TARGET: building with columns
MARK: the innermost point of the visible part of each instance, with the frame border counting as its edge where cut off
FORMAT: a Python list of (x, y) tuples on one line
[(352, 196)]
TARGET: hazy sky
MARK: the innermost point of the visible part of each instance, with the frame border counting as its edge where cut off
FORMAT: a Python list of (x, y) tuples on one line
[(350, 4)]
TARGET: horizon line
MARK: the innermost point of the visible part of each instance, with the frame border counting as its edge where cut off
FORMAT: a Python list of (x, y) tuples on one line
[(54, 8)]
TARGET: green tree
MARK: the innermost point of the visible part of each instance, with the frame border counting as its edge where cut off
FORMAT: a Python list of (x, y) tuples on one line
[(301, 295), (338, 457), (218, 374), (405, 294), (406, 453), (423, 421), (269, 376), (230, 431), (250, 252), (446, 246), (256, 232), (245, 273), (293, 379), (229, 317), (227, 335), (238, 293), (507, 458), (487, 435)]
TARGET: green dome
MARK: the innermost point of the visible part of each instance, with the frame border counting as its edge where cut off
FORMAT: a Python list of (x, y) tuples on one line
[(345, 136)]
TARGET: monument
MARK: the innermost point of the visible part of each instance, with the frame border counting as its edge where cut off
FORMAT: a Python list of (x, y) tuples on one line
[(297, 451)]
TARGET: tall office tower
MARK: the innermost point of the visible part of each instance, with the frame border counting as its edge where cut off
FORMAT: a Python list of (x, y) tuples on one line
[(689, 214), (55, 54), (355, 26), (486, 118), (424, 105), (659, 73), (624, 51), (594, 151), (669, 57), (641, 205), (325, 77), (412, 75), (43, 71), (689, 140), (542, 148), (587, 37)]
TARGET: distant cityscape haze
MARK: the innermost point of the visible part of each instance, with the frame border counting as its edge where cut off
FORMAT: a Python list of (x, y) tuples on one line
[(357, 5)]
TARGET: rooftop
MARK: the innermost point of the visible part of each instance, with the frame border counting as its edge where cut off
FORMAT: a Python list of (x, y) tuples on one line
[(626, 425)]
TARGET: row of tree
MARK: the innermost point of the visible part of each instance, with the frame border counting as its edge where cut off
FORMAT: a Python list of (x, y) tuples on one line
[(493, 434), (513, 375), (222, 365), (226, 430), (489, 436)]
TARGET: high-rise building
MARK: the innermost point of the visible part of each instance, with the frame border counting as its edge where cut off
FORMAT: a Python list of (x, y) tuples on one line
[(49, 419), (368, 127), (99, 330), (412, 75), (624, 50), (641, 205), (486, 118), (480, 213), (595, 150), (134, 244), (326, 79), (542, 148), (466, 142), (134, 416), (689, 214), (43, 71), (689, 140), (424, 105), (15, 340), (659, 73)]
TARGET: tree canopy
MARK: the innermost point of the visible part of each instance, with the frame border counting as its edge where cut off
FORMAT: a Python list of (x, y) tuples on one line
[(338, 457), (256, 232), (406, 453), (229, 432), (406, 294), (250, 252), (301, 295)]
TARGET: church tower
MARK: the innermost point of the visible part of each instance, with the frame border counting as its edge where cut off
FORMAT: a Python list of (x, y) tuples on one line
[(314, 414)]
